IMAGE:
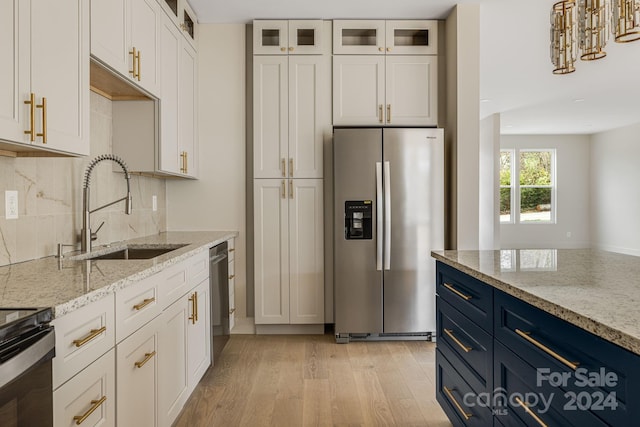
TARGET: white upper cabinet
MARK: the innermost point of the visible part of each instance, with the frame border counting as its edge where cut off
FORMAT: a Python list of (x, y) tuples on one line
[(411, 90), (358, 90), (279, 37), (125, 36), (45, 51), (183, 17), (377, 37)]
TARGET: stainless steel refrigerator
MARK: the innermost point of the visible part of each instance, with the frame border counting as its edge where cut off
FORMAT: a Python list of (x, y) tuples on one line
[(389, 215)]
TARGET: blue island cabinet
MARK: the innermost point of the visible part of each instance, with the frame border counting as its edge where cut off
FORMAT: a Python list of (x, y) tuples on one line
[(503, 362)]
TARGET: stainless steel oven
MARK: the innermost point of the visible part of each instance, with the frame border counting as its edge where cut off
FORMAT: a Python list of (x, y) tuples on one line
[(26, 349)]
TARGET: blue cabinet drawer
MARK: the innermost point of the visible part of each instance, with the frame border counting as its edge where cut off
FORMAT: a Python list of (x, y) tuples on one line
[(457, 398), (470, 296), (569, 359), (461, 340), (520, 401)]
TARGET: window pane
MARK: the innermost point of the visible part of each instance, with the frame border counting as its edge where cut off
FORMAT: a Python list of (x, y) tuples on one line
[(535, 204), (535, 168), (505, 205), (505, 168)]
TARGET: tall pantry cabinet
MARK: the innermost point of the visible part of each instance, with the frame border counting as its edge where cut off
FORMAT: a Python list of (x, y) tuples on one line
[(291, 119)]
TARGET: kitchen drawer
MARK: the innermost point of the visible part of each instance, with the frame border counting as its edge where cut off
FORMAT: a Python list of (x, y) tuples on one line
[(182, 277), (515, 378), (455, 395), (95, 387), (82, 336), (547, 342), (137, 305), (198, 268), (231, 246), (461, 339), (470, 296)]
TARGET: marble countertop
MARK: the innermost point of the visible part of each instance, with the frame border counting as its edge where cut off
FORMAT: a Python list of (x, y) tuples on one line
[(67, 284), (595, 290)]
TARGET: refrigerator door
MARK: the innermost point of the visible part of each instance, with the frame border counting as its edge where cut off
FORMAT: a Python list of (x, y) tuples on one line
[(357, 279), (413, 162)]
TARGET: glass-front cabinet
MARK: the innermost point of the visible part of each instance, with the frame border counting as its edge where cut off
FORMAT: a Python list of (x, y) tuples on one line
[(281, 37), (378, 37), (183, 16)]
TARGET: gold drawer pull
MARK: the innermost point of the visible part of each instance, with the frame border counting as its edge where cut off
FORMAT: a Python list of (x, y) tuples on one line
[(194, 308), (144, 303), (457, 341), (455, 402), (43, 106), (457, 292), (526, 336), (232, 250), (232, 276), (233, 310), (147, 357), (32, 119), (92, 334), (530, 412), (95, 404)]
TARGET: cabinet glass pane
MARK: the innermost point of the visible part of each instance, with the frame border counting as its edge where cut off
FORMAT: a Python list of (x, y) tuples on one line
[(404, 37), (173, 5), (188, 23), (270, 37), (358, 37), (306, 37)]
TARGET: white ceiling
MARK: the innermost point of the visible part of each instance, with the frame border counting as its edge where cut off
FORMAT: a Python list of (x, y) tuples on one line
[(515, 70)]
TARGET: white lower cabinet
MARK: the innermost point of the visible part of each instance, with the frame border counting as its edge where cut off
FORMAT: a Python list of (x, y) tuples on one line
[(89, 398), (198, 335), (137, 377)]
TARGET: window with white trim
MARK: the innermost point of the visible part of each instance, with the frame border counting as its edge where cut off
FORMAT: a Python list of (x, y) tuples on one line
[(530, 198)]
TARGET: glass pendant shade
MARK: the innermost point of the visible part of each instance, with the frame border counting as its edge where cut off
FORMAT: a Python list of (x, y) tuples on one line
[(563, 37), (593, 28), (626, 20)]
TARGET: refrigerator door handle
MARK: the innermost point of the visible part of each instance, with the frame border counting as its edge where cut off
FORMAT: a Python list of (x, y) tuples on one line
[(387, 216), (379, 216)]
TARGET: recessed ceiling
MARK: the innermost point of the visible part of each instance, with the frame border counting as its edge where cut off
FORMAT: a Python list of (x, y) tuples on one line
[(515, 69)]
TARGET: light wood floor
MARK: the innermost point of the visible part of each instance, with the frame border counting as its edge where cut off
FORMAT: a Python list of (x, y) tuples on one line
[(312, 381)]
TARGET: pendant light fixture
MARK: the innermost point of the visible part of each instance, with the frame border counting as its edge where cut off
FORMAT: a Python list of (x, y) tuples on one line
[(626, 20), (593, 28), (563, 37)]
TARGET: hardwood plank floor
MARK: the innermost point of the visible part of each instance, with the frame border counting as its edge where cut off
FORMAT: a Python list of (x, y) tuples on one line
[(309, 380)]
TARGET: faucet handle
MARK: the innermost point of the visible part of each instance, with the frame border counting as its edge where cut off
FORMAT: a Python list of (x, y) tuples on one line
[(94, 235), (61, 247)]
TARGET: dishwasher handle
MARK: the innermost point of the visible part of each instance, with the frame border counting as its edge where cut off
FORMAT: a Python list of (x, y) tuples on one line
[(39, 347), (217, 258)]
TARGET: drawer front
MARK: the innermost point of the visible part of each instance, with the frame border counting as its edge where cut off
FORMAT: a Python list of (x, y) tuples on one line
[(174, 284), (461, 339), (94, 387), (231, 247), (458, 400), (470, 296), (198, 268), (137, 305), (545, 405), (82, 336), (589, 364)]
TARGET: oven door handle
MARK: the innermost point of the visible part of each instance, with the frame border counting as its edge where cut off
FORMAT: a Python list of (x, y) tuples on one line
[(29, 357)]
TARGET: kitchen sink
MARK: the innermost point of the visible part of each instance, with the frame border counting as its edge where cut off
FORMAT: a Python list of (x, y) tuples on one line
[(132, 252)]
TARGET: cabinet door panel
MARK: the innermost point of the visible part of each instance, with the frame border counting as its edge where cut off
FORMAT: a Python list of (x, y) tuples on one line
[(270, 115), (187, 119), (61, 74), (307, 111), (271, 251), (411, 90), (145, 21), (168, 153), (306, 251), (110, 33), (199, 336), (358, 90), (270, 37), (305, 37), (359, 37), (412, 37)]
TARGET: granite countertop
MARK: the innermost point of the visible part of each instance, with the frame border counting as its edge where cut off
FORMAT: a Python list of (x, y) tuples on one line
[(595, 290), (67, 284)]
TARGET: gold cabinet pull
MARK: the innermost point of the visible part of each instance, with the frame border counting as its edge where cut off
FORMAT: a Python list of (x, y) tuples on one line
[(388, 113), (381, 49), (291, 188), (380, 113), (194, 308), (92, 334), (233, 310), (530, 412), (457, 292), (138, 55), (291, 48), (32, 120), (290, 166), (464, 414), (232, 276), (284, 167), (526, 336), (95, 404), (457, 341), (186, 162), (133, 71), (183, 162), (145, 302), (147, 357), (43, 106), (388, 49), (232, 250), (283, 192), (283, 49)]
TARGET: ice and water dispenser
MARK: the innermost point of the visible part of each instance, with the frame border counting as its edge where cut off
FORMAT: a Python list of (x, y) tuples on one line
[(358, 219)]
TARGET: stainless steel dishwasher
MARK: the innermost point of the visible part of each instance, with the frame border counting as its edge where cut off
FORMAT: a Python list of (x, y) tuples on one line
[(219, 282)]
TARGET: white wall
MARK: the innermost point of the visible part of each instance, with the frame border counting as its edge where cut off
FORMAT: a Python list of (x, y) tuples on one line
[(489, 181), (572, 167), (216, 201), (615, 197)]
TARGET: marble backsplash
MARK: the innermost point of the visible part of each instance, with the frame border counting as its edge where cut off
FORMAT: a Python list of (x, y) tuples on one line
[(50, 198)]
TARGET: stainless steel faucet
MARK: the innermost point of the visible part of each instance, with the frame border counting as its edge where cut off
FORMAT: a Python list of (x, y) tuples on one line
[(86, 236)]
